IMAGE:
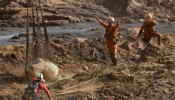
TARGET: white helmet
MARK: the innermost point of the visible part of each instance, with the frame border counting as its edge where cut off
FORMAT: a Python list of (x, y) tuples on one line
[(149, 16), (111, 19), (39, 76)]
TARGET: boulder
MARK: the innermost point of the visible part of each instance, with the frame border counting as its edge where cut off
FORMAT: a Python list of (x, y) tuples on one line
[(133, 31), (172, 18), (79, 40), (15, 37), (48, 69)]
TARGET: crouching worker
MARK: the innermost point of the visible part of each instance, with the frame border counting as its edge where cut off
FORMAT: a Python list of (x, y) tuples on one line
[(111, 37), (35, 87), (149, 30)]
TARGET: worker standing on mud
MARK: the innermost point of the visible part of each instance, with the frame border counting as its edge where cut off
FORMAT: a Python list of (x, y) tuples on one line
[(111, 37), (35, 87), (149, 30)]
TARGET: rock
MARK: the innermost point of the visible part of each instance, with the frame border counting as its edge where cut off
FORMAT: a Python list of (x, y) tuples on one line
[(94, 29), (79, 40), (126, 45), (141, 20), (121, 76), (53, 34), (48, 69), (169, 38), (22, 34), (170, 64), (163, 20), (59, 40), (95, 65), (172, 18), (16, 37), (129, 20), (85, 68), (133, 31)]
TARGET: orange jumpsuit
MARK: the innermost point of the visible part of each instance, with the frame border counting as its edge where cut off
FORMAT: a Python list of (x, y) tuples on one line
[(112, 33), (149, 31)]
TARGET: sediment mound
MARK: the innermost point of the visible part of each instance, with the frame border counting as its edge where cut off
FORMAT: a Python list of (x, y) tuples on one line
[(94, 77), (162, 9), (56, 12), (59, 12)]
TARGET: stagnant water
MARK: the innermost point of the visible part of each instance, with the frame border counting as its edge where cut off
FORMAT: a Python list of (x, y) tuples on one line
[(80, 28)]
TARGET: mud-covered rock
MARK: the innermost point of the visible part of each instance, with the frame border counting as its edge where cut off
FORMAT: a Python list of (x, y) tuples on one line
[(172, 18), (137, 9), (149, 52), (79, 40), (58, 41), (133, 31), (15, 37), (170, 64), (169, 38), (13, 54)]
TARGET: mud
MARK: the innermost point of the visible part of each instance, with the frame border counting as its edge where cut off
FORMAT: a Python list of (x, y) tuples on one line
[(72, 11), (162, 9), (78, 48), (94, 77), (56, 12)]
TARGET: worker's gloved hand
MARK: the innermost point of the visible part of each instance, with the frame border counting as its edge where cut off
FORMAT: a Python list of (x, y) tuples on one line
[(97, 18)]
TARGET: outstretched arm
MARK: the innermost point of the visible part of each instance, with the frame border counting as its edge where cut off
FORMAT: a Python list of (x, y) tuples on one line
[(47, 91), (101, 22)]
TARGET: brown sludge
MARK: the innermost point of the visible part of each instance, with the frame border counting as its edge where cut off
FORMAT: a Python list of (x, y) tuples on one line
[(85, 68)]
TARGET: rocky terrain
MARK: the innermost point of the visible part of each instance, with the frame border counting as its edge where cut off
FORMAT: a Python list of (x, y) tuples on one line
[(56, 12), (59, 12), (163, 10), (143, 73)]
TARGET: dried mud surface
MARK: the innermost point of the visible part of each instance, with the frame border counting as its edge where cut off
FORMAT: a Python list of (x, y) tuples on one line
[(56, 12), (143, 75), (86, 70), (60, 12)]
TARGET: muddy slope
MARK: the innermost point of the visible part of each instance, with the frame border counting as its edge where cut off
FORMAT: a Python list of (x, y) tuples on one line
[(56, 12), (137, 8), (147, 74)]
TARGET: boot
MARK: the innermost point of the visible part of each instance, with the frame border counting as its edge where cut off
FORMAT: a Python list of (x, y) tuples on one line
[(114, 59)]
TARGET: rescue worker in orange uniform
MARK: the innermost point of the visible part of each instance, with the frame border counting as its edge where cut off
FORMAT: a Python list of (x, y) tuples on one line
[(149, 30), (111, 37)]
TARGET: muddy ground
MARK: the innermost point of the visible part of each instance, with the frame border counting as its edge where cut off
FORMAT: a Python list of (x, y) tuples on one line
[(87, 73), (60, 12), (79, 50)]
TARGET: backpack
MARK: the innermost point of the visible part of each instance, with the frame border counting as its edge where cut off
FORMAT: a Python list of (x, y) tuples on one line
[(31, 90)]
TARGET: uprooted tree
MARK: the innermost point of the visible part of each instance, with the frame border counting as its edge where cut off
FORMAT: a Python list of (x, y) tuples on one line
[(40, 47)]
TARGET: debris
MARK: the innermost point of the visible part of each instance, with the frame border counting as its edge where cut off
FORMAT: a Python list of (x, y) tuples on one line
[(16, 37), (48, 69)]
